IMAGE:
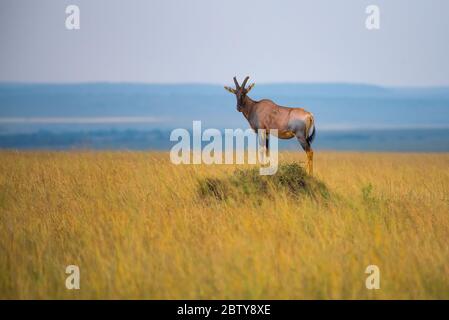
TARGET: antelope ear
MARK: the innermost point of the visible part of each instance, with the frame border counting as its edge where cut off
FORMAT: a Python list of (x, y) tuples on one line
[(230, 90), (250, 87)]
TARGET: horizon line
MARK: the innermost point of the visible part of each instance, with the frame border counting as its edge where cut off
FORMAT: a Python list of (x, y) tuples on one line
[(96, 120), (343, 83)]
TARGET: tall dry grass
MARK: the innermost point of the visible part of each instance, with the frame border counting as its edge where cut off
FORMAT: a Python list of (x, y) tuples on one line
[(137, 228)]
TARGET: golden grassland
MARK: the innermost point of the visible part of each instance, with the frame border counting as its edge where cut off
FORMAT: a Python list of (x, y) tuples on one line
[(137, 228)]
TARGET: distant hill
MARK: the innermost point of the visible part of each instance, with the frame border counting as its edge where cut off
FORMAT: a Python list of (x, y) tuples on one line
[(134, 108), (436, 140)]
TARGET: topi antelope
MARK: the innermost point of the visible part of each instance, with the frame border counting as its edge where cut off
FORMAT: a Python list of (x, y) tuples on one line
[(265, 114)]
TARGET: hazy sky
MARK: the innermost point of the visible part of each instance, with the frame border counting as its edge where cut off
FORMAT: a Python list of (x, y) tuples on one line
[(211, 41)]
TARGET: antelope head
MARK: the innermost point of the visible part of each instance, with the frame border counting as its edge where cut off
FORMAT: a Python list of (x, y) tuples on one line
[(240, 92)]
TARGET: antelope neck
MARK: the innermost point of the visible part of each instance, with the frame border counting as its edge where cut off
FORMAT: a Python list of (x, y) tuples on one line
[(248, 106)]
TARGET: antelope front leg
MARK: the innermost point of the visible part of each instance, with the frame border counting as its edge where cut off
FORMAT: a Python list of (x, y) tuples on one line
[(267, 144), (262, 145)]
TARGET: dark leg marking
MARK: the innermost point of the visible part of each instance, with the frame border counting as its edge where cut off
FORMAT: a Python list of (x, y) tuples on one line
[(267, 144)]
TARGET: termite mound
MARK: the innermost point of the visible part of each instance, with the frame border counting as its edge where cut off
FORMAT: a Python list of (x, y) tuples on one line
[(247, 184)]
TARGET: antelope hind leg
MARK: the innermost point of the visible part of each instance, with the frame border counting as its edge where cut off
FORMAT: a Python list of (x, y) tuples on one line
[(310, 161), (306, 146)]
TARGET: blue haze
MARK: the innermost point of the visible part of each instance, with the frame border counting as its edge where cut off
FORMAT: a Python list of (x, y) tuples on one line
[(348, 116)]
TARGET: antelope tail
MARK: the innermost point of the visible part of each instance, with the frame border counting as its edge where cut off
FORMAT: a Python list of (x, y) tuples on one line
[(311, 135)]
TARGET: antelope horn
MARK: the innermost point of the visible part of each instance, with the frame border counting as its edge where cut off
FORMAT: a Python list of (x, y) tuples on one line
[(236, 83), (229, 89), (244, 82), (250, 87)]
